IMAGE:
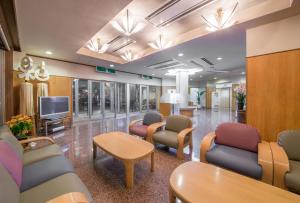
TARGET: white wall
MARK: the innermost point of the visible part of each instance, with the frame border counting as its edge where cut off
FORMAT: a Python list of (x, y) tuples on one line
[(59, 68), (274, 37)]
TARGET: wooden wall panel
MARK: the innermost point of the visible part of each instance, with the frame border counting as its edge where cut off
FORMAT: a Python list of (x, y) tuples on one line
[(9, 102), (208, 92), (273, 93)]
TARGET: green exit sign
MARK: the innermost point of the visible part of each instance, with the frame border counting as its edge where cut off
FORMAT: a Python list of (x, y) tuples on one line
[(102, 69), (146, 77)]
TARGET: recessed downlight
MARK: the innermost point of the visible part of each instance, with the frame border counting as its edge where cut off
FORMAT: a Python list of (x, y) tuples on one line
[(49, 52), (215, 78), (153, 74), (180, 54), (111, 65), (201, 76), (219, 58), (243, 73)]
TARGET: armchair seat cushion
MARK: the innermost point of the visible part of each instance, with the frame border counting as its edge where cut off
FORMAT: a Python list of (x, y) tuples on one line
[(41, 153), (168, 138), (60, 185), (292, 178), (140, 130), (234, 159), (44, 170)]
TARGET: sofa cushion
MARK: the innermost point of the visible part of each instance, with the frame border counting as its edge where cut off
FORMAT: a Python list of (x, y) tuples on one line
[(178, 123), (238, 135), (41, 153), (53, 188), (168, 138), (6, 134), (290, 141), (9, 190), (151, 117), (44, 170), (238, 160), (140, 130), (292, 179), (10, 159)]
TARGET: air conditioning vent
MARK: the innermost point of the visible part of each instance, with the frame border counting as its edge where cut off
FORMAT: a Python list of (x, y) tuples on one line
[(207, 61), (174, 10), (119, 43), (165, 65)]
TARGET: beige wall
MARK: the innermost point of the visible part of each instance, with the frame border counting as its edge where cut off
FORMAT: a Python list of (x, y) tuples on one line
[(274, 37), (59, 68)]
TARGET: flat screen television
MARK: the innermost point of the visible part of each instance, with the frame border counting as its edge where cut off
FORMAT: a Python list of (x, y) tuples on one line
[(54, 107)]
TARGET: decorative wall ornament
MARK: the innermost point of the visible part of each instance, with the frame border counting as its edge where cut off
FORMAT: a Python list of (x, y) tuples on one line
[(26, 68), (41, 73)]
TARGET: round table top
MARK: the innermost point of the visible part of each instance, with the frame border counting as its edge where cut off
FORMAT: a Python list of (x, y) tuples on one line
[(123, 145), (200, 182)]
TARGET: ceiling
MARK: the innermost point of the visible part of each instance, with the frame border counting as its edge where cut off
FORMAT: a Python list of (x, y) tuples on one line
[(64, 27)]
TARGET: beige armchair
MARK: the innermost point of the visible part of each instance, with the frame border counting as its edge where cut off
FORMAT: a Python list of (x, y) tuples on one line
[(177, 133)]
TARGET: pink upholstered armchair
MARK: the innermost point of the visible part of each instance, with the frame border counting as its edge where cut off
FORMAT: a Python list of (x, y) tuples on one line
[(140, 127), (237, 147)]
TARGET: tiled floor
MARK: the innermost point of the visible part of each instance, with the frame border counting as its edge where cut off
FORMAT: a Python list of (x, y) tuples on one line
[(104, 177)]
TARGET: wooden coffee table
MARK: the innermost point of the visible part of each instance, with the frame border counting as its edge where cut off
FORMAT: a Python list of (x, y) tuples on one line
[(200, 182), (126, 148)]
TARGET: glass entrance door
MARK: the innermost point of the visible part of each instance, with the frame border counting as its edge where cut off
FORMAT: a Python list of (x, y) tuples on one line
[(134, 98), (121, 99), (109, 99), (83, 99), (144, 98), (96, 102), (153, 97)]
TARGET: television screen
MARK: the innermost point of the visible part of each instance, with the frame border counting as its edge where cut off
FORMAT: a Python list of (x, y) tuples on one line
[(53, 106)]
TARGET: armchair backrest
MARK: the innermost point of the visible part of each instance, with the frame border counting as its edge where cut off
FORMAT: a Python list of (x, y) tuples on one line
[(178, 123), (152, 117), (290, 141), (6, 134), (238, 135)]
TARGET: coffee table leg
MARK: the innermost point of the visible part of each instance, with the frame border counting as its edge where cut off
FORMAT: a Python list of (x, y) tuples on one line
[(172, 197), (152, 161), (94, 150), (129, 173)]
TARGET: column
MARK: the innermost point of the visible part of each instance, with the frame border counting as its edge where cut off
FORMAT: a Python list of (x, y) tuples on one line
[(182, 85)]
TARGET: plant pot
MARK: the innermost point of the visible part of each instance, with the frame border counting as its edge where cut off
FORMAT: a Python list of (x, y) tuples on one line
[(240, 106)]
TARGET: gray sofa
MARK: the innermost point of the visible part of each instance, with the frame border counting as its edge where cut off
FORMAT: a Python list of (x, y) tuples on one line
[(45, 173)]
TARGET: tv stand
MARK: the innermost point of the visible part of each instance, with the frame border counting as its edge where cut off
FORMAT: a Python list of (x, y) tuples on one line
[(53, 125)]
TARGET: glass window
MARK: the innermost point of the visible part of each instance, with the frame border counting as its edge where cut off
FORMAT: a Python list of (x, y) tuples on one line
[(153, 97), (121, 98), (83, 98), (134, 104)]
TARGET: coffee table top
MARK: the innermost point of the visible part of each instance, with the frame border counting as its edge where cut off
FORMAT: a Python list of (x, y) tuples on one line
[(123, 145), (200, 182)]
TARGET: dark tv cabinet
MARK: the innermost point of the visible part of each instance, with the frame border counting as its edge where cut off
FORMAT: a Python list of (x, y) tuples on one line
[(49, 126)]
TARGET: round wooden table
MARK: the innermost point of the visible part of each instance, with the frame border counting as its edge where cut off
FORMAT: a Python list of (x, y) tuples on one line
[(199, 182)]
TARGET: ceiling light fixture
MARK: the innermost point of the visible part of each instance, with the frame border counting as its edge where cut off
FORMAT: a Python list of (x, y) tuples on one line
[(49, 52), (180, 54), (201, 76), (128, 25), (160, 43), (243, 73), (111, 65), (95, 46), (222, 19), (129, 56), (219, 58), (215, 78), (192, 71)]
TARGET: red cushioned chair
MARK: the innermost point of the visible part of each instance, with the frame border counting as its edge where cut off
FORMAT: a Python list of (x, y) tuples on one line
[(237, 147), (140, 127)]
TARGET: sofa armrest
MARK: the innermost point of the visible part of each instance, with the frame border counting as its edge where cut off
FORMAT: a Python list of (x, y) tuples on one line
[(181, 136), (265, 160), (132, 123), (152, 129), (281, 165), (37, 139), (72, 197), (206, 145)]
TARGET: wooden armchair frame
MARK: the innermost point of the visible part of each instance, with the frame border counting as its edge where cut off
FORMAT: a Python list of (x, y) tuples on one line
[(180, 137), (38, 139), (265, 159), (281, 165)]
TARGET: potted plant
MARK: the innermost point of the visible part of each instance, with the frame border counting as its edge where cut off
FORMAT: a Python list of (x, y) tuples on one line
[(240, 96), (199, 94), (20, 126)]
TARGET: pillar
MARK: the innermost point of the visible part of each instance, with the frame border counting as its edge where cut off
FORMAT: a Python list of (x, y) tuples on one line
[(182, 85)]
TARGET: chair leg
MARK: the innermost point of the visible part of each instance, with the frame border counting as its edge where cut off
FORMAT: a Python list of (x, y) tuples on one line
[(191, 145), (180, 152)]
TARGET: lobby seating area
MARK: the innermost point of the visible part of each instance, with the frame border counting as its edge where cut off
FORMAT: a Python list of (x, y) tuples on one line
[(157, 101)]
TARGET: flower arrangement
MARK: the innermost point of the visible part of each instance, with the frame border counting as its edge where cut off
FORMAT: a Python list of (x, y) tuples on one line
[(20, 126), (240, 95)]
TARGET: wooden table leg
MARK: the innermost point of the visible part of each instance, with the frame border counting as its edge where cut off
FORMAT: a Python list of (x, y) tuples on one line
[(129, 173), (94, 150), (152, 161), (172, 197)]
